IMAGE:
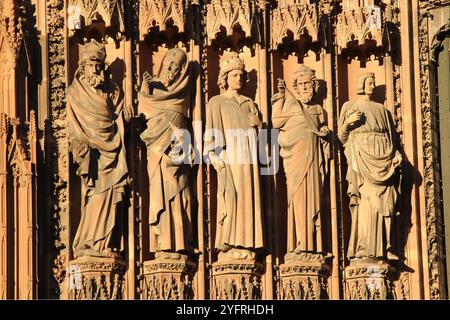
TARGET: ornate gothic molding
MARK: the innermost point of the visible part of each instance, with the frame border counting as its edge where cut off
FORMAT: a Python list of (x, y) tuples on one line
[(237, 280), (304, 277), (56, 149), (298, 18), (430, 4), (168, 279), (160, 13), (367, 281), (431, 156), (226, 15), (83, 12), (360, 27), (12, 35), (96, 279)]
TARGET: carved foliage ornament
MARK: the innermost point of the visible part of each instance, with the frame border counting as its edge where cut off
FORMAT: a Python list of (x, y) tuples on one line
[(158, 13), (431, 175), (228, 14), (91, 10), (57, 146), (11, 32), (429, 4)]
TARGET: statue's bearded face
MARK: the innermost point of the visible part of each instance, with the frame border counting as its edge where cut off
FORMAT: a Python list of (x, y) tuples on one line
[(235, 79), (305, 88), (94, 74), (171, 68), (369, 86)]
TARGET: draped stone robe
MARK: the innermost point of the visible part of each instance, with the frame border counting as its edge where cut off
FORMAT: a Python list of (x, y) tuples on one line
[(373, 180), (229, 136), (305, 158), (170, 199), (95, 118)]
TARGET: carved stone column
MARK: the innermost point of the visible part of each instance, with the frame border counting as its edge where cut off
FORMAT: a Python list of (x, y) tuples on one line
[(369, 280), (96, 278), (168, 279), (304, 276), (236, 280)]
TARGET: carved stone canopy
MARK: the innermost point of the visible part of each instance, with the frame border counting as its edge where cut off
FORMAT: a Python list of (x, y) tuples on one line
[(163, 13), (299, 18), (82, 13), (226, 18), (11, 33), (359, 31)]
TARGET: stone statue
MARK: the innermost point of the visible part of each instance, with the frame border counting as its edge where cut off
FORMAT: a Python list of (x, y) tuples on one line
[(95, 124), (367, 131), (305, 153), (231, 147), (165, 102)]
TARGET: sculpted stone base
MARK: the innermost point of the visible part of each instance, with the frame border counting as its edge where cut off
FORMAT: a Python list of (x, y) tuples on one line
[(168, 279), (304, 277), (96, 278), (369, 280), (236, 280)]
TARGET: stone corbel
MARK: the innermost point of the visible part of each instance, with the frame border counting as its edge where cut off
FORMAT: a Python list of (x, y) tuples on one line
[(85, 13), (234, 23), (166, 21)]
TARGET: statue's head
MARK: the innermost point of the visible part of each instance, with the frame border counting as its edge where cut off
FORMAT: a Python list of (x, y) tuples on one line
[(232, 73), (173, 63), (92, 63), (305, 83), (366, 83)]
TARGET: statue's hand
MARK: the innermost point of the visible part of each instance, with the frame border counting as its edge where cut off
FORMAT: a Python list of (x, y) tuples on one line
[(397, 160), (217, 162), (128, 113), (80, 148), (281, 85), (147, 78), (324, 131), (253, 120), (354, 119)]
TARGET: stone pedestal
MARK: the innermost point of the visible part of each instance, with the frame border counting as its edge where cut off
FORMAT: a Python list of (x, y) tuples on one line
[(96, 278), (365, 280), (236, 280), (168, 279), (304, 277)]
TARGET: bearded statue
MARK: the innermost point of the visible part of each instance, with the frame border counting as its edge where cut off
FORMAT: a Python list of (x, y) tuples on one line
[(95, 127)]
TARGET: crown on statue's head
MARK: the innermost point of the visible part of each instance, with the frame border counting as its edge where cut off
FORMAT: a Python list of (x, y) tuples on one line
[(231, 61), (93, 51)]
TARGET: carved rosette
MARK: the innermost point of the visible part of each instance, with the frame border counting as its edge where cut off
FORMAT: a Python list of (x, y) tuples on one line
[(369, 281), (92, 278), (236, 280), (357, 26), (300, 19), (168, 279), (228, 14), (304, 277), (160, 13), (11, 33), (111, 11)]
